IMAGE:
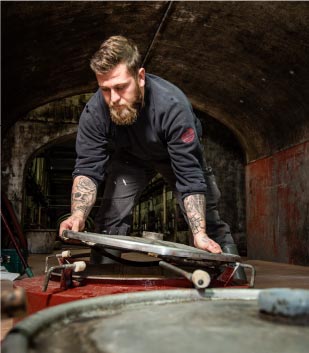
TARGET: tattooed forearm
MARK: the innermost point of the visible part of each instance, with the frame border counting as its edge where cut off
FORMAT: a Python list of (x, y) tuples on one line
[(84, 193), (195, 206)]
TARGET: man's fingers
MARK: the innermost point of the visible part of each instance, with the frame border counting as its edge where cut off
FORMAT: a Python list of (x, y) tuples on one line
[(71, 223), (63, 226), (205, 243), (213, 247), (76, 225)]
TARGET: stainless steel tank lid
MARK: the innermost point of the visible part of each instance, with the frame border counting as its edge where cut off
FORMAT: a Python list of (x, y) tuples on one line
[(213, 320), (159, 247)]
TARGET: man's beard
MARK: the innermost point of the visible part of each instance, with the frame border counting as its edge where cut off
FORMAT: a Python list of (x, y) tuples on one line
[(126, 114)]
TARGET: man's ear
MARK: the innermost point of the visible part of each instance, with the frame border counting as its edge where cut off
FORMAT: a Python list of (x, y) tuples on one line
[(141, 77)]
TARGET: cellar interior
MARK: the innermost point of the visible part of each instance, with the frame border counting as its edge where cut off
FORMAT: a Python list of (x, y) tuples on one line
[(243, 66), (49, 177)]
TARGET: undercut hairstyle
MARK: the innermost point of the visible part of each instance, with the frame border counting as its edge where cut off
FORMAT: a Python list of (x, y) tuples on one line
[(116, 50)]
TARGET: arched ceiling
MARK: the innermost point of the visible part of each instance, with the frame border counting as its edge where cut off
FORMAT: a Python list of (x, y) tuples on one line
[(243, 63)]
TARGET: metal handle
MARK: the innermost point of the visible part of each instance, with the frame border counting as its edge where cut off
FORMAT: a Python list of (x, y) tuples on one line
[(78, 266), (199, 278)]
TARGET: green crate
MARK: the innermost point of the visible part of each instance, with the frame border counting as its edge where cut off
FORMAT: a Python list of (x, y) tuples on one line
[(14, 265)]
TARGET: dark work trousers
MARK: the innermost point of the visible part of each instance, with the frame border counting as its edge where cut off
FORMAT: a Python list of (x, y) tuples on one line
[(126, 178)]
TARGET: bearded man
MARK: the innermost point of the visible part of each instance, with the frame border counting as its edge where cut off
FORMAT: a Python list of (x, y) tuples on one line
[(134, 126)]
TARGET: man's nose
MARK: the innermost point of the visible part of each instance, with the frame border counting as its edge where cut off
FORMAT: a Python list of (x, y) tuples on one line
[(115, 97)]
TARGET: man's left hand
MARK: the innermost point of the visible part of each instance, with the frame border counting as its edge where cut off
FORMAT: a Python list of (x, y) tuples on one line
[(203, 242)]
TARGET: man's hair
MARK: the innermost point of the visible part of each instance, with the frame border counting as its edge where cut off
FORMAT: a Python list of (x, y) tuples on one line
[(116, 50)]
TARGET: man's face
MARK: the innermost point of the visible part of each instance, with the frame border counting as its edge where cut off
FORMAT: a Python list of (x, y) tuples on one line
[(123, 93)]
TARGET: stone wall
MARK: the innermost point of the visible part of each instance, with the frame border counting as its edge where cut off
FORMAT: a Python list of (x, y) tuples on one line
[(43, 126), (224, 154)]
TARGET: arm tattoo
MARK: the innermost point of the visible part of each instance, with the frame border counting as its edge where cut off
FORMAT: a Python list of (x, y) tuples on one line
[(84, 194), (195, 206)]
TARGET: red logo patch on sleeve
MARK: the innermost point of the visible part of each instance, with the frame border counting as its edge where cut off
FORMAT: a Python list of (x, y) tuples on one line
[(188, 135)]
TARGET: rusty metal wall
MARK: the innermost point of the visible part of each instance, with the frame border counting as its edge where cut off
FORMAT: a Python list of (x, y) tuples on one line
[(278, 206)]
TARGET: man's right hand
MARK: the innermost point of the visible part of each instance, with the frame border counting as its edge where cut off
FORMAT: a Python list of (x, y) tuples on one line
[(74, 223)]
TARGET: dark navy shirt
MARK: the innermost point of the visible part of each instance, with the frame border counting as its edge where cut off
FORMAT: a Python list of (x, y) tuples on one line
[(166, 129)]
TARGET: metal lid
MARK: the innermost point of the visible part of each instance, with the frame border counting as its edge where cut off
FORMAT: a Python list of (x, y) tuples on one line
[(158, 247)]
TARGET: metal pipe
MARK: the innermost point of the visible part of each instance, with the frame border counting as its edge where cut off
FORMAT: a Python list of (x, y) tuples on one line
[(175, 269), (51, 269), (199, 278), (253, 273), (157, 33)]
